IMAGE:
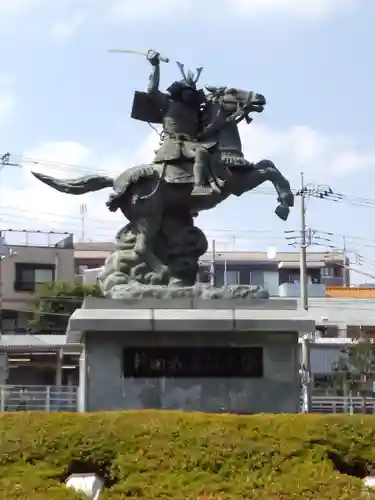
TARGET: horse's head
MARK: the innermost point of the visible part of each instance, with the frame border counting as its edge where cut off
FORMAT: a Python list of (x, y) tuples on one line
[(232, 100)]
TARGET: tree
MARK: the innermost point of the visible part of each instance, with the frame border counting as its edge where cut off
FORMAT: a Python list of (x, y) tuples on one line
[(354, 371), (55, 302)]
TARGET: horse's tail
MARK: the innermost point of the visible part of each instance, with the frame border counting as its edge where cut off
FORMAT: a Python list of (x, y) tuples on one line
[(81, 185)]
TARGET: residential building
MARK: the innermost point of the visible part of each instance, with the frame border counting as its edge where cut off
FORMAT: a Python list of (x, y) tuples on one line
[(90, 255), (280, 275), (29, 259)]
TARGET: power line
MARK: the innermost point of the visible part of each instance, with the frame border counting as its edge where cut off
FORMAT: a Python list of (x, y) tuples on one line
[(318, 191), (322, 192), (317, 237)]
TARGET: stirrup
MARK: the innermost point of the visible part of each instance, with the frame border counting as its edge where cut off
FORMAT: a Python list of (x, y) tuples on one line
[(214, 187)]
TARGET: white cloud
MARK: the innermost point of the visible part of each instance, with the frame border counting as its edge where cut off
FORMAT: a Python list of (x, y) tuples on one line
[(128, 11), (61, 19), (303, 149), (7, 97), (64, 153), (7, 103), (311, 9), (47, 209), (66, 28), (13, 11)]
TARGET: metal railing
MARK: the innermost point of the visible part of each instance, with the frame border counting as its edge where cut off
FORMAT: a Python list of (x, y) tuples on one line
[(53, 399), (38, 398), (340, 404)]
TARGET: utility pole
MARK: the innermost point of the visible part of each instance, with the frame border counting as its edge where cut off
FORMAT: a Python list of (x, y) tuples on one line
[(213, 265), (346, 271), (303, 249), (83, 211), (305, 374), (305, 371), (319, 192), (4, 162)]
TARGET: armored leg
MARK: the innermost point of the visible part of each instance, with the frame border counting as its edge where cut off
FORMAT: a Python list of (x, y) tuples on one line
[(218, 173), (202, 158)]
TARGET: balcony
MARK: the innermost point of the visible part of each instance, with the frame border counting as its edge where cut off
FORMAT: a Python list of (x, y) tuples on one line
[(332, 280), (294, 290)]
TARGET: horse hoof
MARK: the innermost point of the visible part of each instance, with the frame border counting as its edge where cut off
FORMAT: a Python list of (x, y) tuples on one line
[(286, 199), (161, 277), (289, 200), (282, 212)]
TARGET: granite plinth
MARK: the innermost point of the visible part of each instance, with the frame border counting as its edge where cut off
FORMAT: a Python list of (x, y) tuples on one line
[(250, 302), (107, 333), (198, 291)]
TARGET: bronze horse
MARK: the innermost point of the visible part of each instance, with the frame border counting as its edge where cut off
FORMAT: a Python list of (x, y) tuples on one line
[(146, 194)]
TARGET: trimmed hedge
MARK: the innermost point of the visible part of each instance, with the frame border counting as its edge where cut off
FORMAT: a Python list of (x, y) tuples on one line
[(173, 455)]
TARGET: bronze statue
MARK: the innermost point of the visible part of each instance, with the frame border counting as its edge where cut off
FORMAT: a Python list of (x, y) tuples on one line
[(199, 164), (179, 110)]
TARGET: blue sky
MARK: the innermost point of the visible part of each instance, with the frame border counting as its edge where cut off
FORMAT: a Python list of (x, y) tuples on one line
[(66, 101)]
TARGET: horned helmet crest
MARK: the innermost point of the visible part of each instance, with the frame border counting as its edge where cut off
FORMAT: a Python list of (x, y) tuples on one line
[(190, 78)]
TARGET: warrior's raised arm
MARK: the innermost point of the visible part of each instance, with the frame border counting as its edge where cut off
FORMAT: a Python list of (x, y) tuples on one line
[(154, 78)]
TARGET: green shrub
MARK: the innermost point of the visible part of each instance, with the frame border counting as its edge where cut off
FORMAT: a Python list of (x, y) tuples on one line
[(55, 302), (173, 455)]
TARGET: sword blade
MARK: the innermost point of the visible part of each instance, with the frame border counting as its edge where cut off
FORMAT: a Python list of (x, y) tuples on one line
[(125, 51), (136, 52)]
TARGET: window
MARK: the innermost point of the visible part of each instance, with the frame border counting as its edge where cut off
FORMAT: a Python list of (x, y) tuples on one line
[(29, 276), (328, 272), (199, 362), (293, 278), (257, 278), (231, 277)]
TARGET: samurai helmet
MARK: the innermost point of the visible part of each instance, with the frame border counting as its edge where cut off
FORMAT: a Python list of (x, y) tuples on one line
[(189, 81), (190, 78)]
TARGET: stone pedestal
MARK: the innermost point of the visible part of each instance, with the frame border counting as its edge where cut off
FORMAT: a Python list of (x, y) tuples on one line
[(214, 356)]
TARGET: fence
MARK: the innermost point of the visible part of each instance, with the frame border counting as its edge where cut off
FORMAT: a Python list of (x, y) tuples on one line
[(52, 398), (38, 398), (337, 404)]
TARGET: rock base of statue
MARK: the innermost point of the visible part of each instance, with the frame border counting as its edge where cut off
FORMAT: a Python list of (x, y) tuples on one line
[(198, 291), (177, 248), (125, 275)]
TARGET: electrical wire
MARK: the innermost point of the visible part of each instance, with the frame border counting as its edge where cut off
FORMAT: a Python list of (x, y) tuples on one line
[(103, 227), (317, 191), (313, 191)]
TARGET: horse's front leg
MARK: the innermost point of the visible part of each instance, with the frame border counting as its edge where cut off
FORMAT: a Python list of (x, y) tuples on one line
[(285, 197)]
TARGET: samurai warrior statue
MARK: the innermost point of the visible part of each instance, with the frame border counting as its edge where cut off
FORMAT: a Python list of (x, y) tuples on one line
[(179, 110)]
